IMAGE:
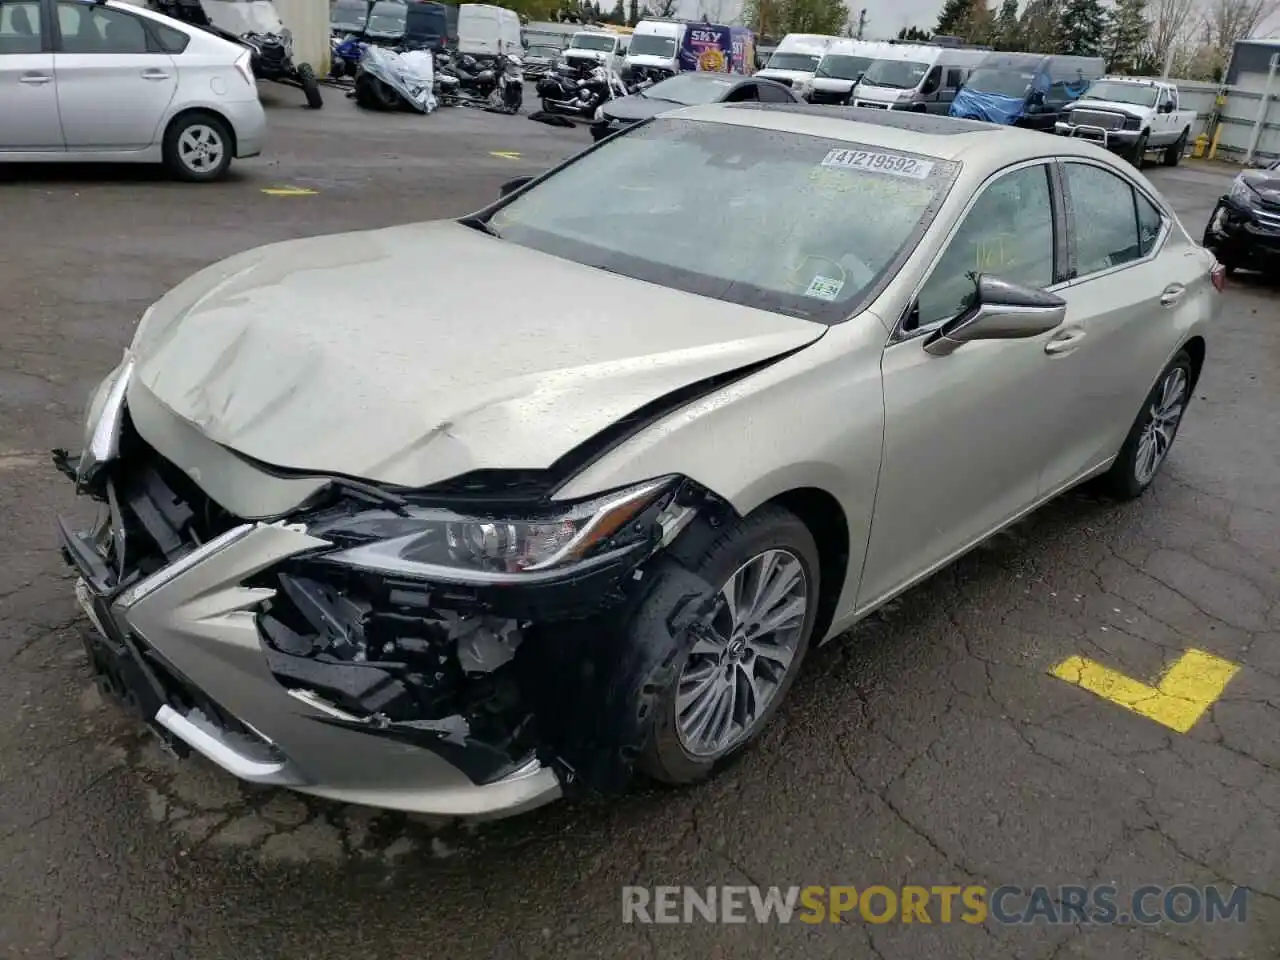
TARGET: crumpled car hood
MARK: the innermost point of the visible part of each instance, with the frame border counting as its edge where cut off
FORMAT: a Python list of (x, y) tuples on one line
[(415, 354)]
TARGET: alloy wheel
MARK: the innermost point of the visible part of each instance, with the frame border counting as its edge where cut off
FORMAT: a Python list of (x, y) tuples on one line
[(200, 148), (740, 659), (1163, 417)]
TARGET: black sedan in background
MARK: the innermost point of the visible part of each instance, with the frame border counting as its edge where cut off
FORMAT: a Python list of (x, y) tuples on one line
[(1244, 228), (686, 90)]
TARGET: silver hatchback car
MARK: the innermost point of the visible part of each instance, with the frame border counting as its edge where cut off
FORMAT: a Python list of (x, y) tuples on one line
[(458, 555), (101, 80)]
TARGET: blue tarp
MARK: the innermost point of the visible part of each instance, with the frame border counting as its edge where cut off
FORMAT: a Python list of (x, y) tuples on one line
[(991, 107)]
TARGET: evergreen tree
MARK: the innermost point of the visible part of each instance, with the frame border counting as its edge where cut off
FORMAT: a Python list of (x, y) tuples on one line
[(1084, 27), (619, 13), (976, 24), (1006, 33), (1127, 36), (953, 13), (1041, 26), (913, 34), (633, 13)]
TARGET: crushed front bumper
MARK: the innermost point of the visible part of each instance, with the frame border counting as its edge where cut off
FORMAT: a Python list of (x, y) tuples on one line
[(195, 619), (1244, 237)]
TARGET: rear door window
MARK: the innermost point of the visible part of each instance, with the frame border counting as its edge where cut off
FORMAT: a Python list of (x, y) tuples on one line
[(21, 28)]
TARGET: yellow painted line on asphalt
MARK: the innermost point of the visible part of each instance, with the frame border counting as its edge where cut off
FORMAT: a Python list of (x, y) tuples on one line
[(1188, 688), (505, 154), (289, 191)]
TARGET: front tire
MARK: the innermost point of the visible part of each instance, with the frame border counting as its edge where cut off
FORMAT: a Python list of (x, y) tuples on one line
[(1139, 150), (197, 148), (724, 687), (1174, 154), (310, 86), (1153, 432)]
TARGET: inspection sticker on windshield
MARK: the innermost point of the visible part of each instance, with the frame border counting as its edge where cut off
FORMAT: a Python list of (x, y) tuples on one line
[(824, 288), (890, 163)]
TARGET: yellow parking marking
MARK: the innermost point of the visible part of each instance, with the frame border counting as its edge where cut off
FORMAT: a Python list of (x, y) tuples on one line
[(1189, 687), (505, 154), (289, 192)]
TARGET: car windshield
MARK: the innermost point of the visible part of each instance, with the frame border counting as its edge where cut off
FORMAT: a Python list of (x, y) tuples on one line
[(593, 41), (840, 66), (690, 88), (649, 45), (548, 53), (779, 221), (794, 61), (1136, 93), (898, 74), (1002, 81), (348, 14), (387, 17)]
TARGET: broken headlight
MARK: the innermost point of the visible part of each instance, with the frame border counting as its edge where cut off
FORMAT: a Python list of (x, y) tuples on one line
[(438, 543)]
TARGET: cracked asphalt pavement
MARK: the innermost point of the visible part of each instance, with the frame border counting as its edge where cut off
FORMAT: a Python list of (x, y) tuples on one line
[(929, 746)]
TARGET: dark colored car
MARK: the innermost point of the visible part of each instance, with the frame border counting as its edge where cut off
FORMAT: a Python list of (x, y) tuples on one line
[(1244, 228), (687, 90)]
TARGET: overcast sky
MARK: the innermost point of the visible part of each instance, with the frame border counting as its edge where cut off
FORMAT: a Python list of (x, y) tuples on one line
[(884, 17)]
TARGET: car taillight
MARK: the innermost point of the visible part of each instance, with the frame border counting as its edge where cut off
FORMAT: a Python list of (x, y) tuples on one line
[(245, 66), (1219, 277)]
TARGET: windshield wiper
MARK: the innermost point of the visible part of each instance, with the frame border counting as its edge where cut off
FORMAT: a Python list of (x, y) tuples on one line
[(484, 226)]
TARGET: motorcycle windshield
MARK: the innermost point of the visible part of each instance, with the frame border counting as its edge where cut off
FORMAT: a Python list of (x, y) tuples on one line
[(239, 17)]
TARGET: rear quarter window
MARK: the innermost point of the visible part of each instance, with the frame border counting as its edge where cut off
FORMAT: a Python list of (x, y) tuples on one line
[(167, 38)]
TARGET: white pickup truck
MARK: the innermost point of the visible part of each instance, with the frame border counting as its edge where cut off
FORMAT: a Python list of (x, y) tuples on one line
[(1131, 116)]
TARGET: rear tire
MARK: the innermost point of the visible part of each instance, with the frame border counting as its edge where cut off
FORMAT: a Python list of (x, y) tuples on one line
[(770, 531), (197, 148), (1134, 468), (310, 86), (1174, 154)]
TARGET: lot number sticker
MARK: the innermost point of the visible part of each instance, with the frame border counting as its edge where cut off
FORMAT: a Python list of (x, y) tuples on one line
[(824, 288), (890, 163)]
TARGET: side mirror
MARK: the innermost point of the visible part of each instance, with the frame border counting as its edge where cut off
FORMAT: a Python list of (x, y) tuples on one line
[(511, 186), (1036, 99), (1166, 107), (1001, 310)]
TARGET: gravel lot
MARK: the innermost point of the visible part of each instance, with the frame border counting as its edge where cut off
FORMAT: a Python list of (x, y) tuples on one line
[(930, 746)]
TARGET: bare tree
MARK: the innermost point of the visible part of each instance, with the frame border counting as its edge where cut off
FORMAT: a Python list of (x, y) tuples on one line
[(711, 11), (1226, 21), (1170, 24), (663, 8)]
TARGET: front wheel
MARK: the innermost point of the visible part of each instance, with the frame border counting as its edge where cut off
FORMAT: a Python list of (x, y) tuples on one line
[(1175, 151), (1139, 150), (1152, 434), (310, 86), (722, 689)]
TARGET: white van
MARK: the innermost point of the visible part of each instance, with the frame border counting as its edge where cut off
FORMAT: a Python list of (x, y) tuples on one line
[(654, 52), (592, 47), (486, 31), (841, 68), (918, 77), (796, 58)]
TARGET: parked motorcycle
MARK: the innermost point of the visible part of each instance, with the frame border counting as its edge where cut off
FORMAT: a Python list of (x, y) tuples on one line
[(344, 56), (568, 94), (496, 84), (387, 80)]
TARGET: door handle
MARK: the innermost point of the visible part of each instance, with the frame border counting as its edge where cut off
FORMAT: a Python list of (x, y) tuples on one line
[(154, 75), (1172, 294), (35, 78), (1064, 342)]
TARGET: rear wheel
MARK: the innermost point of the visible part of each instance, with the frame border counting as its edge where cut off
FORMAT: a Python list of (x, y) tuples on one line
[(1153, 432), (310, 86), (724, 687), (1174, 153), (197, 148)]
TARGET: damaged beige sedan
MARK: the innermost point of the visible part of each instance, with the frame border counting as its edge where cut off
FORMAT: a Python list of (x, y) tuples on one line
[(576, 503)]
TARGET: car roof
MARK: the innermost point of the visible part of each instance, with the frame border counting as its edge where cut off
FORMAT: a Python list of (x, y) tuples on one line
[(946, 138)]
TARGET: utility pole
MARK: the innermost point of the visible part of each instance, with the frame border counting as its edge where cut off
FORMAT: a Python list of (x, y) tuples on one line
[(862, 24)]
